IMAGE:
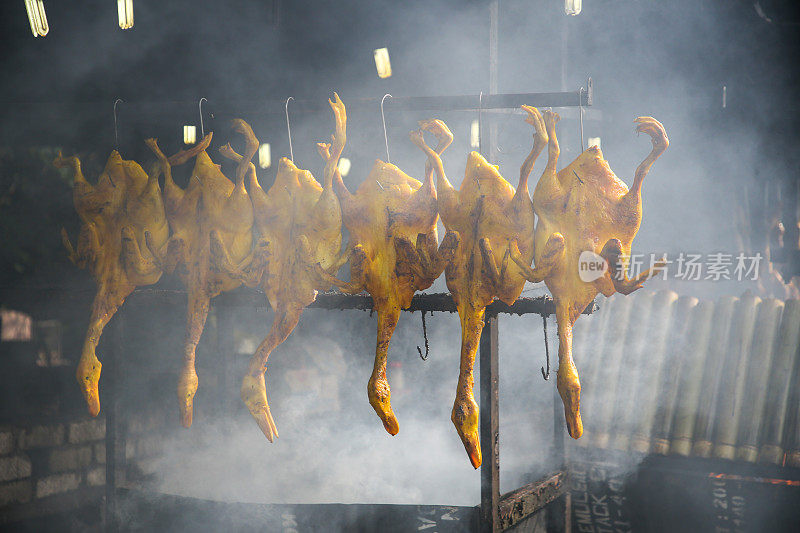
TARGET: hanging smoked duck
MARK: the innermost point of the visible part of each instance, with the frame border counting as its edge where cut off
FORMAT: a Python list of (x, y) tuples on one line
[(487, 221), (115, 213), (392, 223), (300, 223), (583, 208), (211, 243)]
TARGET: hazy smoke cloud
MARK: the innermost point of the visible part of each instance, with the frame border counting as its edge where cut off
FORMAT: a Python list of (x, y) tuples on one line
[(668, 60)]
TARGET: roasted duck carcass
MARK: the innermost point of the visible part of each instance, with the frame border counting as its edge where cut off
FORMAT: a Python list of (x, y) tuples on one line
[(115, 213), (211, 246), (392, 223), (300, 223), (487, 221), (586, 208)]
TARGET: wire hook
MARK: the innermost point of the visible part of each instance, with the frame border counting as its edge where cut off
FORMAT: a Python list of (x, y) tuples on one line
[(580, 114), (383, 119), (546, 375), (425, 335), (289, 128), (480, 123), (200, 107), (116, 136)]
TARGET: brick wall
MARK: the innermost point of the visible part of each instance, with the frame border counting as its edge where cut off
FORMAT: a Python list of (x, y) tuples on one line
[(65, 462), (39, 463), (144, 444)]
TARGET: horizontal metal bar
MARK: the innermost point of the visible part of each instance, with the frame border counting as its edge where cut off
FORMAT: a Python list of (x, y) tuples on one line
[(186, 512), (22, 298), (578, 98), (517, 505), (424, 103), (421, 302)]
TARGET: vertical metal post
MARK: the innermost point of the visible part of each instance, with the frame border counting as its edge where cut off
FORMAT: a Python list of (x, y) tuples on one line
[(494, 16), (557, 510), (113, 358), (227, 351), (490, 426), (789, 217), (488, 349)]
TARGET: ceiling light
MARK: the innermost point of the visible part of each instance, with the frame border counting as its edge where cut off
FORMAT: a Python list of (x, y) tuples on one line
[(264, 156), (37, 18), (382, 62), (475, 135), (189, 134), (125, 11), (344, 166), (572, 7)]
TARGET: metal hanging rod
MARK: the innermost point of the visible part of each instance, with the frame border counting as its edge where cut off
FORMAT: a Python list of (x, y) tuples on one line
[(246, 108), (577, 98)]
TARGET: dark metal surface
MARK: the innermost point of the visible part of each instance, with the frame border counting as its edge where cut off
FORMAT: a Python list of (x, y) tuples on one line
[(112, 361), (218, 111), (490, 425), (557, 511), (455, 103), (421, 302), (22, 298), (517, 505), (152, 511)]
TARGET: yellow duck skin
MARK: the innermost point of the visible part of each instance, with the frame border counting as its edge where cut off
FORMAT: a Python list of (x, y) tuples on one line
[(487, 221), (116, 213), (300, 226), (392, 223), (211, 225), (585, 207)]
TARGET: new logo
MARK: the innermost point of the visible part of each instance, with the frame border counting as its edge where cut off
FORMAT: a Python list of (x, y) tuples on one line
[(591, 266)]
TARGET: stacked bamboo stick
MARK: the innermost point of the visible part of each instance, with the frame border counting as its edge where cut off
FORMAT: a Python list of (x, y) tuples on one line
[(680, 376)]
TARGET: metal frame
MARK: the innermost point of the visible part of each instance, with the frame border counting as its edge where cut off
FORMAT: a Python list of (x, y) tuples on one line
[(496, 512)]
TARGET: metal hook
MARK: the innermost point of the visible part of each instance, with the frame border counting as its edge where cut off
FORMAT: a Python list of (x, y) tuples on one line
[(480, 123), (580, 113), (289, 128), (200, 107), (546, 375), (116, 137), (425, 335), (383, 119)]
